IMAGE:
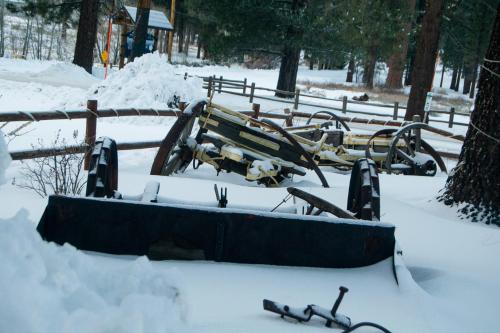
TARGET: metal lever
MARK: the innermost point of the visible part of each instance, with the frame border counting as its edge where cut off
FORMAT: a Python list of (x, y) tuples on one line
[(222, 198), (335, 307)]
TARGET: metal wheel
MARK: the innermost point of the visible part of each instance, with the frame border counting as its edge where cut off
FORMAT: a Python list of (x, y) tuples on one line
[(174, 153), (311, 163), (338, 120), (415, 156), (364, 191), (102, 179)]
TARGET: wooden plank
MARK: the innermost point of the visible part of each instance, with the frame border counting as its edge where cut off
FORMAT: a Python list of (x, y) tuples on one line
[(90, 130)]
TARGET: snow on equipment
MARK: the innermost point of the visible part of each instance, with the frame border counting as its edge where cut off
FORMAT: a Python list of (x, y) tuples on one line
[(262, 151), (323, 235), (304, 314)]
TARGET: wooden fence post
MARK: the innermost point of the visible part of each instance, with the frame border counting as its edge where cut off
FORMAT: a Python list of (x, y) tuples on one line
[(252, 91), (296, 102), (209, 88), (452, 116), (220, 84), (396, 109), (245, 86), (416, 118), (344, 104), (90, 131), (256, 110), (256, 113), (289, 119)]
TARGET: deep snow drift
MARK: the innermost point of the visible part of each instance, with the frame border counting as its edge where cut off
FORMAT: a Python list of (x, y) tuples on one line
[(148, 82), (47, 288)]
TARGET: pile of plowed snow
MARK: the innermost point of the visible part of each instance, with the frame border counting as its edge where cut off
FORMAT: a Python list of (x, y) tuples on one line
[(148, 82), (65, 74), (46, 288)]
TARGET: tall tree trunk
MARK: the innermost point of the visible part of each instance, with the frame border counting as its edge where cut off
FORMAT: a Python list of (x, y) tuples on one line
[(311, 62), (443, 70), (52, 35), (425, 59), (2, 31), (188, 40), (468, 72), (397, 60), (409, 70), (198, 53), (206, 54), (27, 37), (180, 35), (475, 180), (288, 70), (454, 77), (141, 28), (86, 36), (458, 78), (473, 82), (350, 69), (371, 61), (290, 57)]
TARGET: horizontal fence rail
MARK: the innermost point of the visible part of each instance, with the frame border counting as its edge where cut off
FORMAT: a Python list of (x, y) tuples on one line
[(92, 113), (83, 114)]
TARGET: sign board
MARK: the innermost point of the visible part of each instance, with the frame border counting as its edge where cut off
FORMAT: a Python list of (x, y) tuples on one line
[(428, 102)]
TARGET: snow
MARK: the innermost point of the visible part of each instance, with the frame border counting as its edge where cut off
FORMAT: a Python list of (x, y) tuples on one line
[(48, 288), (148, 82), (52, 73), (4, 158), (448, 281)]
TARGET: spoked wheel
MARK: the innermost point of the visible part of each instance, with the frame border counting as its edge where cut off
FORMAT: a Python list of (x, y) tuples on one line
[(174, 153), (415, 156), (339, 122), (102, 179), (321, 205), (363, 199)]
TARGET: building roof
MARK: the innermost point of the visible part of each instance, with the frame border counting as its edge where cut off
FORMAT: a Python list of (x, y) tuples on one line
[(157, 20)]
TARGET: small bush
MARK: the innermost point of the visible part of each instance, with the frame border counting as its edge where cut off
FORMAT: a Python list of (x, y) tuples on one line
[(58, 174)]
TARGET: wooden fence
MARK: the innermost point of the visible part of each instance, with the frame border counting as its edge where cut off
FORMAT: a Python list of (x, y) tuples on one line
[(91, 113), (249, 90)]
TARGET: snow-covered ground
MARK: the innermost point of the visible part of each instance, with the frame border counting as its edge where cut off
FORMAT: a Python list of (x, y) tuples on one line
[(453, 263)]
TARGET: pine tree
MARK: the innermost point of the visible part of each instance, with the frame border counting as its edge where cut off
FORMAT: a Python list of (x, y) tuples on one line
[(141, 28), (86, 35), (425, 58), (397, 59), (475, 181)]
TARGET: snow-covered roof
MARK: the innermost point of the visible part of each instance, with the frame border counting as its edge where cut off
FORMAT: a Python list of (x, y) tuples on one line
[(157, 20)]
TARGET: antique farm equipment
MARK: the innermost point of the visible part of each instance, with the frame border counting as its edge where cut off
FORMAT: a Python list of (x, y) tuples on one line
[(394, 150), (262, 151), (331, 317), (322, 235)]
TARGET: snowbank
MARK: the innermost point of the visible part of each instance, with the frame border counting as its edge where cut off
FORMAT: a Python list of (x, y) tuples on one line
[(67, 74), (148, 82), (58, 74), (48, 288), (4, 158)]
